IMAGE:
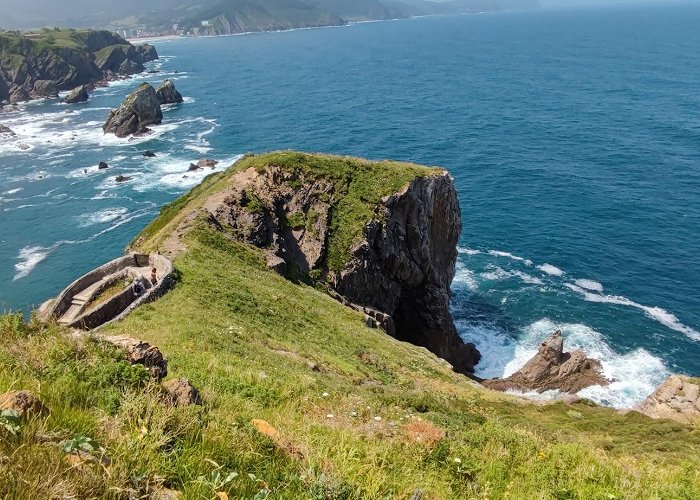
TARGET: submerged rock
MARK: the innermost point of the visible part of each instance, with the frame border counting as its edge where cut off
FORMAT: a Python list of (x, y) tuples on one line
[(678, 398), (78, 94), (122, 178), (149, 154), (553, 369), (168, 94), (102, 165), (6, 131), (140, 109)]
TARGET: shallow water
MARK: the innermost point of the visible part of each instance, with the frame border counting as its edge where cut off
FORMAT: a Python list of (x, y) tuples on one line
[(573, 137)]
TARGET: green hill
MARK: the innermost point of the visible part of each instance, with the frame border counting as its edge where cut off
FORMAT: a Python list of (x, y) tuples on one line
[(348, 411)]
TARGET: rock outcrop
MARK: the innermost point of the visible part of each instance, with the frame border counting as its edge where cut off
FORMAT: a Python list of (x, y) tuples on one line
[(24, 403), (140, 109), (6, 131), (399, 273), (139, 352), (553, 369), (678, 398), (78, 94), (182, 393), (168, 94), (37, 65)]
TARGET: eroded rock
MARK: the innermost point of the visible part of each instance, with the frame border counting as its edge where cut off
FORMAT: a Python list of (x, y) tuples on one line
[(24, 403), (553, 369), (676, 399), (6, 131), (182, 393)]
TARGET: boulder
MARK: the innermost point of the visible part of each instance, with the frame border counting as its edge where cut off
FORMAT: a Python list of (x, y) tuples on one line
[(24, 403), (182, 393), (44, 88), (102, 165), (193, 167), (553, 369), (78, 94), (149, 154), (206, 163), (676, 399), (168, 94), (122, 178), (140, 109)]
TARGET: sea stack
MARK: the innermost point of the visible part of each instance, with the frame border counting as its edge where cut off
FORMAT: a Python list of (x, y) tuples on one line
[(168, 94), (140, 109)]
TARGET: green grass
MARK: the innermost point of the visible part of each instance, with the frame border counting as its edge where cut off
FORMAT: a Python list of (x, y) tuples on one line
[(261, 347)]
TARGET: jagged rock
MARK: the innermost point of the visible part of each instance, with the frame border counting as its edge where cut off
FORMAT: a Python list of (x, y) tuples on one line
[(206, 163), (182, 392), (122, 178), (19, 95), (149, 154), (142, 353), (553, 369), (44, 88), (168, 94), (147, 52), (676, 399), (402, 268), (25, 147), (193, 167), (140, 109), (78, 94), (24, 403), (103, 165), (6, 131)]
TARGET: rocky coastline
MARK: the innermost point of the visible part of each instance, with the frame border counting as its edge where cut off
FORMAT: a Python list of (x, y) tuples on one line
[(39, 65)]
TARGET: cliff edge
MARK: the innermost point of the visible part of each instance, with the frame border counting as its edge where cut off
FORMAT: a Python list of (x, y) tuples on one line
[(380, 236)]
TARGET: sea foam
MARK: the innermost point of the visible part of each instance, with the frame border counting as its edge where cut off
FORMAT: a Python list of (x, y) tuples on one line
[(550, 269)]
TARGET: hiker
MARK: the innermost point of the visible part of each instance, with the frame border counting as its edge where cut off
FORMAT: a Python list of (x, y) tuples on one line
[(154, 276)]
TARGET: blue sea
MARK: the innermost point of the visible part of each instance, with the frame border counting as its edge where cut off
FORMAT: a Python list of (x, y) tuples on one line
[(573, 137)]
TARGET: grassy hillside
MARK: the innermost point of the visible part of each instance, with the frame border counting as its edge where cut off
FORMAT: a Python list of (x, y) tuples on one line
[(348, 411)]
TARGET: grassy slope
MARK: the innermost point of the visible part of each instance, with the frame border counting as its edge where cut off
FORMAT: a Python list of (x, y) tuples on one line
[(245, 336)]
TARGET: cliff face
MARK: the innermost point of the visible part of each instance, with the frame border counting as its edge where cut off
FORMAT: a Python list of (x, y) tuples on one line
[(62, 60), (397, 267)]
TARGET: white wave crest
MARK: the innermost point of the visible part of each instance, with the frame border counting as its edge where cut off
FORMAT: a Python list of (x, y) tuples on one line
[(656, 313), (468, 251), (28, 258), (551, 270), (589, 285), (101, 217), (499, 274), (499, 253)]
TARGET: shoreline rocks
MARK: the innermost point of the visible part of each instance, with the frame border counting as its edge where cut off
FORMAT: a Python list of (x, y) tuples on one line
[(140, 109), (553, 369), (6, 131), (678, 398), (78, 94)]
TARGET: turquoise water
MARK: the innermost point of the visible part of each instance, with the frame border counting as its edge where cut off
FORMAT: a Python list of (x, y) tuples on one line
[(573, 137)]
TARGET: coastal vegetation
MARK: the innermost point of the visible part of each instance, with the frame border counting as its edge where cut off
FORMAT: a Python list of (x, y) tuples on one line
[(301, 398)]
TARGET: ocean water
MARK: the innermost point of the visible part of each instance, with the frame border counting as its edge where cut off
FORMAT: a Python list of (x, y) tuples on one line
[(573, 137)]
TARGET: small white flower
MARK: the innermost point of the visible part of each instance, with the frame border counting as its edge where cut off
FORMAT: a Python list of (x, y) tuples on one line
[(377, 418), (330, 415), (325, 395), (458, 460)]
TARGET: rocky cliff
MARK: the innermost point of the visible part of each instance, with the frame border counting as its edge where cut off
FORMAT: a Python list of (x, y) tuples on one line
[(34, 65), (382, 237)]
